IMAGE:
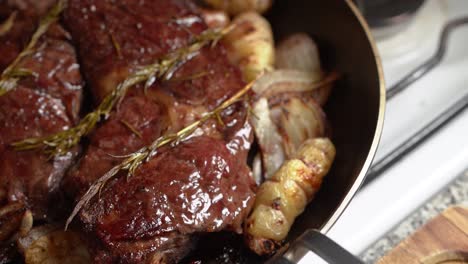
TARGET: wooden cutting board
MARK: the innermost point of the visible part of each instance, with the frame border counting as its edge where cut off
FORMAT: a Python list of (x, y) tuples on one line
[(443, 240)]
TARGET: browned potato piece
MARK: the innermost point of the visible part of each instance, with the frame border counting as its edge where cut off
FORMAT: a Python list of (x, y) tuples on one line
[(250, 44), (215, 18), (11, 218), (57, 247), (234, 7), (282, 198)]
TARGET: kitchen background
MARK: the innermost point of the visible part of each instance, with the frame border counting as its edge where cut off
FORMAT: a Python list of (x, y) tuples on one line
[(421, 167)]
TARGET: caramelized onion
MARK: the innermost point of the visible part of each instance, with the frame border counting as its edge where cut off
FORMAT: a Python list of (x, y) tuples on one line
[(286, 113), (298, 119), (268, 137), (257, 170), (294, 81), (298, 52)]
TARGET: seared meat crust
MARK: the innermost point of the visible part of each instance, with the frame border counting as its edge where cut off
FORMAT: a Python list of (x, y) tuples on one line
[(201, 185), (44, 103)]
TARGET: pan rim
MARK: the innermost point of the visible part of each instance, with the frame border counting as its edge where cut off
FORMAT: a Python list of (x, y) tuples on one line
[(325, 228)]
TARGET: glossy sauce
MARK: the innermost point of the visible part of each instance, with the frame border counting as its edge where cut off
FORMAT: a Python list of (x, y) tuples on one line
[(201, 185), (46, 102)]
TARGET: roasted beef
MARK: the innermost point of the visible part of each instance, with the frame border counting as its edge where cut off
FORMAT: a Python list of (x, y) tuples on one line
[(44, 102), (200, 185)]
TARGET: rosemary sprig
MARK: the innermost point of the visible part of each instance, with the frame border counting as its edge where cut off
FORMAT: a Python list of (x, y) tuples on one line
[(6, 26), (116, 45), (8, 79), (134, 160), (131, 128), (163, 68)]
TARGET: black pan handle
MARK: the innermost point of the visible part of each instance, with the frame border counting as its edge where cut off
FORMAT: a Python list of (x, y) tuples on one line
[(319, 244)]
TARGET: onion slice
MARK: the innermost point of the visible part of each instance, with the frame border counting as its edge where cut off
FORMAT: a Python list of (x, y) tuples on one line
[(287, 102), (269, 139), (294, 81), (298, 119), (298, 52)]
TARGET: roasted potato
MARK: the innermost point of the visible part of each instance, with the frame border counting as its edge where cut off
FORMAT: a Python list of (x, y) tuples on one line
[(15, 220), (234, 7), (250, 44), (57, 247), (215, 18), (282, 198)]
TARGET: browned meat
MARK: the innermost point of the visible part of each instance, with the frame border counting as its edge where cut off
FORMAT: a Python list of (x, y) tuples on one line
[(114, 36), (26, 14), (196, 187), (201, 185), (31, 8), (44, 103)]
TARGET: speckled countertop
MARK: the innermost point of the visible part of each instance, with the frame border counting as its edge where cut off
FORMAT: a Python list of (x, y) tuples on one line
[(454, 194)]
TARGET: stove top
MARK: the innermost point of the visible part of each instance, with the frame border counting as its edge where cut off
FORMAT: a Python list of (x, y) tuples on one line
[(424, 145)]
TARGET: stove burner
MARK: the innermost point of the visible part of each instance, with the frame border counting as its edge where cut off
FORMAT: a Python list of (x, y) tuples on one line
[(419, 137), (388, 17)]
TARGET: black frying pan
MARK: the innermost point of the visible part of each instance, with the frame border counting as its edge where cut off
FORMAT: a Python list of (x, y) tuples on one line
[(355, 110)]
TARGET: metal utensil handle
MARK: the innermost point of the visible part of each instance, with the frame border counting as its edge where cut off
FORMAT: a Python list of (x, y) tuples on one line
[(322, 246)]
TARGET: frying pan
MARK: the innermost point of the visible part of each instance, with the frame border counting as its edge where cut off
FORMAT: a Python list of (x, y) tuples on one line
[(355, 111)]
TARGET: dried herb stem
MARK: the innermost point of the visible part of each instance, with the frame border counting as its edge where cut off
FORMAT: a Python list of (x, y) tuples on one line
[(116, 45), (6, 26), (131, 128), (163, 69), (9, 77), (134, 160)]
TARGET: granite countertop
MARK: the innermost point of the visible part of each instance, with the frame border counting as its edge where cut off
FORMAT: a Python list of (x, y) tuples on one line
[(455, 193)]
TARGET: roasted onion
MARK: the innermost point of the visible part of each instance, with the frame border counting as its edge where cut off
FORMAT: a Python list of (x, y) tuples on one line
[(298, 119), (294, 81), (286, 114), (300, 52), (268, 137), (285, 81)]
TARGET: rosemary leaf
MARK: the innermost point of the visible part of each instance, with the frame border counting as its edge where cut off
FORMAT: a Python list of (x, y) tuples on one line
[(131, 128), (61, 142), (6, 26), (134, 160), (116, 45), (8, 80)]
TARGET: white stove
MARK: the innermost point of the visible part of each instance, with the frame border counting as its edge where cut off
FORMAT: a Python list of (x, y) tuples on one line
[(423, 172)]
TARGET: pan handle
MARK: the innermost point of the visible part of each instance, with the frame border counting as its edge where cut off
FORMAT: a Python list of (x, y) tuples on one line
[(321, 245)]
